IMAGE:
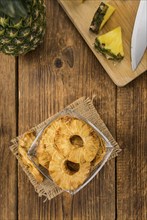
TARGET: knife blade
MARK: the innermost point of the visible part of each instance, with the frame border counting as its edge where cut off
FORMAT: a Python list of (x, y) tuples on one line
[(139, 36)]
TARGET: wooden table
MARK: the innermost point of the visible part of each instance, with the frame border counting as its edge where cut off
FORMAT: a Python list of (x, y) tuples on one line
[(37, 85)]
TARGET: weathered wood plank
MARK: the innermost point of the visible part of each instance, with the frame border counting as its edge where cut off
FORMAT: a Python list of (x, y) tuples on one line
[(8, 173), (131, 164), (97, 201), (58, 72)]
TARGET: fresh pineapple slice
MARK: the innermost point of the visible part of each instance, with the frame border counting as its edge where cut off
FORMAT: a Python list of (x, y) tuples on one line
[(101, 16), (110, 44)]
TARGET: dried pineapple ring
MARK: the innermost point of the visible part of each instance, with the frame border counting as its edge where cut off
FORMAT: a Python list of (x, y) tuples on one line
[(23, 146), (66, 174), (76, 140), (46, 146)]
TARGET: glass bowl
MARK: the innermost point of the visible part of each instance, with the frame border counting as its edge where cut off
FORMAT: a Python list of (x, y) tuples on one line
[(75, 114)]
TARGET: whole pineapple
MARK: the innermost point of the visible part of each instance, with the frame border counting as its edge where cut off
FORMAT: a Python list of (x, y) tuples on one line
[(22, 25)]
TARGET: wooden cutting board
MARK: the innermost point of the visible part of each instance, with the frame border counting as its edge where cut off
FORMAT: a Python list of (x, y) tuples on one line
[(81, 15)]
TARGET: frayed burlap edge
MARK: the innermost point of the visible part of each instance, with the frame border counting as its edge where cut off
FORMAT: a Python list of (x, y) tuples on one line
[(86, 108)]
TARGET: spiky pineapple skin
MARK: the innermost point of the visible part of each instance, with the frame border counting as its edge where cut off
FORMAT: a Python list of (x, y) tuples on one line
[(98, 18), (25, 34)]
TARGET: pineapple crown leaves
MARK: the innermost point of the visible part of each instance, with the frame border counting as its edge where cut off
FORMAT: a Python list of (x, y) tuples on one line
[(13, 8)]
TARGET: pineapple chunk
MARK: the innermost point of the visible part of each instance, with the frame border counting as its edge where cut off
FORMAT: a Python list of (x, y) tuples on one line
[(108, 14), (101, 16), (110, 44)]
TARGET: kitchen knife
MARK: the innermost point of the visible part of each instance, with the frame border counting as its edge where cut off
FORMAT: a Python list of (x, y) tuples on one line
[(139, 36)]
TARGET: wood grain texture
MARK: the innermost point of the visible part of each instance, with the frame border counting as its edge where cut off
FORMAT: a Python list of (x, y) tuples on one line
[(58, 72), (8, 175), (81, 14), (131, 164)]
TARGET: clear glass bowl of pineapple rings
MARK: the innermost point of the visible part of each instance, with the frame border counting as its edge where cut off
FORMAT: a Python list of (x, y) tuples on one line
[(70, 150)]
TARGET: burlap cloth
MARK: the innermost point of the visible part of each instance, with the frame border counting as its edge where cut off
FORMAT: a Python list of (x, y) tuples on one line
[(86, 108)]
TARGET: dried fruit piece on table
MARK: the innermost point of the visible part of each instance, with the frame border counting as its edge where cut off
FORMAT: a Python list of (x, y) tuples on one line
[(23, 147), (101, 16), (76, 140), (110, 44), (46, 146), (66, 174), (22, 25)]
